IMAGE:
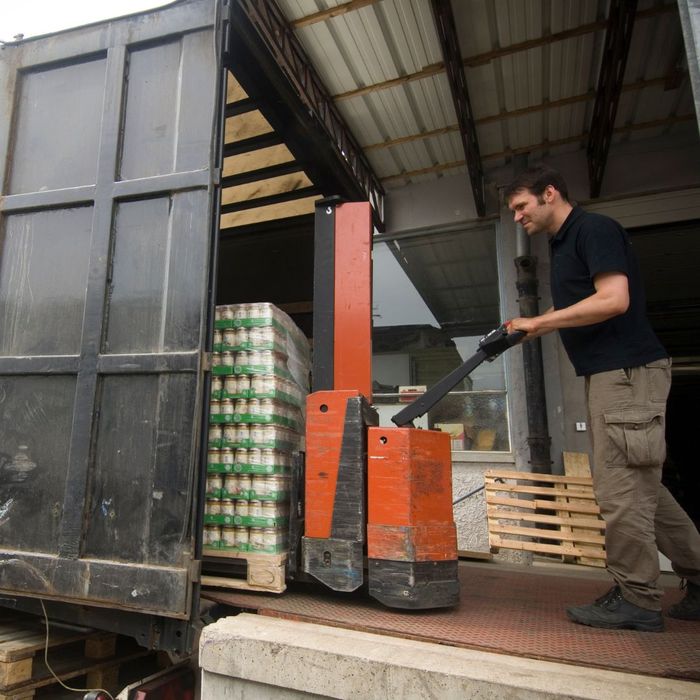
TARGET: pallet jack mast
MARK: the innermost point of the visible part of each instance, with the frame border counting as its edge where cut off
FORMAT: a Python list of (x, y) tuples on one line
[(383, 494)]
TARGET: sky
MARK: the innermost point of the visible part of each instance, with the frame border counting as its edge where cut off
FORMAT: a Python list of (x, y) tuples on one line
[(34, 17)]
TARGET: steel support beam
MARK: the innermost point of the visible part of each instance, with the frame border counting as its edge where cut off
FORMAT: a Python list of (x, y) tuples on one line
[(347, 169), (612, 72), (449, 42)]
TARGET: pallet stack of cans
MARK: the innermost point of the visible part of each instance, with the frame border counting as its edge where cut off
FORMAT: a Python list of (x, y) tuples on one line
[(260, 379)]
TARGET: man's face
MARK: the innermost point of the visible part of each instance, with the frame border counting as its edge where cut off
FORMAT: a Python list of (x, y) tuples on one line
[(532, 212)]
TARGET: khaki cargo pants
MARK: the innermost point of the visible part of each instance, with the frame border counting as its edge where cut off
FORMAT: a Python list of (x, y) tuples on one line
[(626, 414)]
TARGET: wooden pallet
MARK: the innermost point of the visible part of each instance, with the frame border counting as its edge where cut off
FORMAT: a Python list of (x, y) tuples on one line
[(544, 513), (264, 572), (73, 652)]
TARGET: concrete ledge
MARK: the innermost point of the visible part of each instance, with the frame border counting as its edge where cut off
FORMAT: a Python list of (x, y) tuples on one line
[(252, 656)]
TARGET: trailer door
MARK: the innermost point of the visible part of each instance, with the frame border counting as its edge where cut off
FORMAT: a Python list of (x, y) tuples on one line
[(106, 150)]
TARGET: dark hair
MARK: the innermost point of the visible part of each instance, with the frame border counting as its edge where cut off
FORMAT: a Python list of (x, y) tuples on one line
[(536, 179)]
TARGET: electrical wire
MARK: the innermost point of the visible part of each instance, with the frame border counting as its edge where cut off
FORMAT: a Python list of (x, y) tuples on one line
[(46, 661)]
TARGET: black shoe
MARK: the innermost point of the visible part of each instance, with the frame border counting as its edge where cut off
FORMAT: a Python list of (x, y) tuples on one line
[(689, 607), (612, 611)]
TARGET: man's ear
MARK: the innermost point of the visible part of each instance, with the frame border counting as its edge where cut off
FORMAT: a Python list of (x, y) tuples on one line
[(549, 194)]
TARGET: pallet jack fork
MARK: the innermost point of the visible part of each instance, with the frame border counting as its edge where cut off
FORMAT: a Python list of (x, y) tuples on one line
[(384, 493)]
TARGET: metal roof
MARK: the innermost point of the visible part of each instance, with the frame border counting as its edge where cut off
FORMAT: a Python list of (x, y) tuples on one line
[(521, 60)]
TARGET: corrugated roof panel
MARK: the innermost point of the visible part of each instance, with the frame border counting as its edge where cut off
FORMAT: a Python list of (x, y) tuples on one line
[(395, 38)]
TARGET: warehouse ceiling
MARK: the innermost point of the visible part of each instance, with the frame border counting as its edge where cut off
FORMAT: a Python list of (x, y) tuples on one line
[(421, 83)]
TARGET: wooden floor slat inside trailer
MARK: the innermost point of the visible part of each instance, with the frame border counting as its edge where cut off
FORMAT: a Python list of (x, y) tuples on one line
[(503, 609)]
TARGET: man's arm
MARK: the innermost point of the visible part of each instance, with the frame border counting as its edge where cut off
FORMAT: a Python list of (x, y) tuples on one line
[(611, 298)]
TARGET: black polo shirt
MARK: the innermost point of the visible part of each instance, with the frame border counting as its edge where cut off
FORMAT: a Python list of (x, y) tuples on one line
[(585, 246)]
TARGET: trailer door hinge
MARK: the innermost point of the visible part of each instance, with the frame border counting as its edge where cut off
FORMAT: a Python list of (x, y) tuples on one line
[(206, 362), (195, 570)]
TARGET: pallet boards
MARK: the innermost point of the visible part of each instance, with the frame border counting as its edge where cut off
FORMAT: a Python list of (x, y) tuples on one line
[(74, 653), (545, 514), (263, 572)]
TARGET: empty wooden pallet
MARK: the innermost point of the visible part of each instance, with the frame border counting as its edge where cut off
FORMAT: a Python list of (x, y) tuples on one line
[(545, 514)]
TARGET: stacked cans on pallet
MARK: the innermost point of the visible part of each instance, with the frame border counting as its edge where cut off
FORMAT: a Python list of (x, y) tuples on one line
[(260, 379)]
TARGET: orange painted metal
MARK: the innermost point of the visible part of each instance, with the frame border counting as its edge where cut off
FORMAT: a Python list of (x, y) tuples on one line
[(352, 342), (325, 423), (410, 495)]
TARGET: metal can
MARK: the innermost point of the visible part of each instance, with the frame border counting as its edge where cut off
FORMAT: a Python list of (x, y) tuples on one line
[(226, 358), (213, 506), (229, 337), (272, 538), (269, 457), (242, 507), (215, 482), (242, 383), (231, 385), (231, 483), (228, 506), (257, 384), (273, 433), (245, 483), (226, 312), (268, 407), (212, 535), (241, 311), (277, 483), (215, 435), (254, 407), (255, 357), (226, 407), (228, 536), (242, 433), (241, 336), (241, 358), (241, 456), (257, 434), (241, 406), (255, 538), (214, 408), (256, 336), (264, 310), (227, 458), (229, 434), (218, 337), (214, 456), (261, 487), (216, 386), (255, 508), (242, 535), (254, 455)]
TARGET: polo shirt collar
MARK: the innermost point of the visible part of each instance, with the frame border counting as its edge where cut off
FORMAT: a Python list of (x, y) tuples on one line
[(574, 214)]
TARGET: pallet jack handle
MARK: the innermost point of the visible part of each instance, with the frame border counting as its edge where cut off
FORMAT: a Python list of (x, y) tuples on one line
[(490, 347)]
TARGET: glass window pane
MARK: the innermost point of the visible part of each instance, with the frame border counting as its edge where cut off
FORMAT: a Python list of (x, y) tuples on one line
[(35, 427), (43, 281), (435, 296), (58, 127)]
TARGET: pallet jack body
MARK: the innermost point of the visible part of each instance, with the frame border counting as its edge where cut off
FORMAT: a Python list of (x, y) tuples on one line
[(375, 497)]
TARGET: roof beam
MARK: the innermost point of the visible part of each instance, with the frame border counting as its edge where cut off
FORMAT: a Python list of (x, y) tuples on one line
[(483, 58), (512, 114), (654, 124), (331, 12), (273, 69), (449, 42), (618, 37)]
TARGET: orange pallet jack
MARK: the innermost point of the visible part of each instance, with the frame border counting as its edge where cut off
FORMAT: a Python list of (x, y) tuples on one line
[(383, 494)]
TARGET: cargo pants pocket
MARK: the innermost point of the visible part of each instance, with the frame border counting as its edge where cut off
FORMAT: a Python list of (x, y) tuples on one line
[(636, 438)]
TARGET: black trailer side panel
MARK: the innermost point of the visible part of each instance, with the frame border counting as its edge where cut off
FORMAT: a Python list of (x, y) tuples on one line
[(106, 152)]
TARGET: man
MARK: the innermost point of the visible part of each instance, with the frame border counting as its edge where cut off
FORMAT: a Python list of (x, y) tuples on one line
[(599, 311)]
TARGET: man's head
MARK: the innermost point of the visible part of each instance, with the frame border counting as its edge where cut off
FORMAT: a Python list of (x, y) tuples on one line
[(539, 200)]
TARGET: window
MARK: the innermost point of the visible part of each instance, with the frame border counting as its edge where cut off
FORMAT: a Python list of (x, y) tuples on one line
[(435, 296)]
